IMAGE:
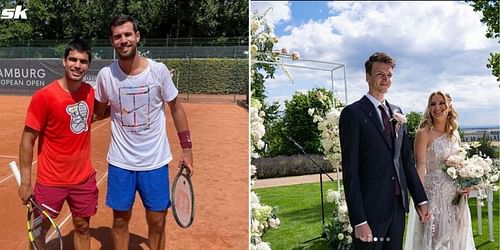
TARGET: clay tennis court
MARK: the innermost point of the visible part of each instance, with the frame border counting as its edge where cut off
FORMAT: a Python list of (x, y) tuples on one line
[(219, 130)]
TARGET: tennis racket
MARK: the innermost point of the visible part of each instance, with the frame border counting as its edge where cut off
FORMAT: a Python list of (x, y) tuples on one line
[(40, 237), (183, 198)]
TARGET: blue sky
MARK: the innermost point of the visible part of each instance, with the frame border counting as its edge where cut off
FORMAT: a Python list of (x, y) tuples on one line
[(437, 46)]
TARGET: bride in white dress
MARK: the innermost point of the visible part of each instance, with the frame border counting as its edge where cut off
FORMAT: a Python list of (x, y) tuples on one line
[(450, 225)]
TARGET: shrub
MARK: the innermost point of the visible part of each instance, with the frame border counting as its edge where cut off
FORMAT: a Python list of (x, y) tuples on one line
[(210, 76), (282, 166)]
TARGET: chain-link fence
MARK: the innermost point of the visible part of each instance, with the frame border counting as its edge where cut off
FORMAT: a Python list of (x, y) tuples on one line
[(224, 47)]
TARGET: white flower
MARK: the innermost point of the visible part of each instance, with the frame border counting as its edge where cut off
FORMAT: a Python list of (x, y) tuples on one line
[(263, 246), (273, 38), (333, 116), (253, 50), (330, 196), (254, 200), (349, 239), (310, 111), (400, 118), (255, 226), (452, 172), (475, 144), (343, 208), (273, 223), (494, 178), (340, 236), (253, 169), (260, 144)]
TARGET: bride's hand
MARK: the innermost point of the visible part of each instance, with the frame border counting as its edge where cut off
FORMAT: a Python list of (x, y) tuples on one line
[(423, 213), (465, 191)]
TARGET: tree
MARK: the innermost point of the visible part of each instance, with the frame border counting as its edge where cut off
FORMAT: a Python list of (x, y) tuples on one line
[(299, 125), (156, 19), (413, 122), (485, 148), (491, 16)]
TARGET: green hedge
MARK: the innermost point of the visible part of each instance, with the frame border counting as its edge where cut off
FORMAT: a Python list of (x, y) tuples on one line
[(211, 76), (282, 166)]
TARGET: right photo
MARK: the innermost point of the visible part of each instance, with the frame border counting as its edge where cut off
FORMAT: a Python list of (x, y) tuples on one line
[(374, 125)]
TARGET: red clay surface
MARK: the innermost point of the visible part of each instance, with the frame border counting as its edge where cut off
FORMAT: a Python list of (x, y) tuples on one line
[(220, 147)]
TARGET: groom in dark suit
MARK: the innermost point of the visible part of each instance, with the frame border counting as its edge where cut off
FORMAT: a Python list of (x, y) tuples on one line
[(377, 163)]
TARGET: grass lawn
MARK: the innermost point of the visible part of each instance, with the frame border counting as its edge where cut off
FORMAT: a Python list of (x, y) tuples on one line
[(300, 215)]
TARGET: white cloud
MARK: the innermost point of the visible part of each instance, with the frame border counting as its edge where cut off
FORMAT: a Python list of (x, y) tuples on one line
[(437, 46), (280, 10)]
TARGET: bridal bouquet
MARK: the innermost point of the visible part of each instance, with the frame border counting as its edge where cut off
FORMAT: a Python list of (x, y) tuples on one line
[(476, 172), (338, 230)]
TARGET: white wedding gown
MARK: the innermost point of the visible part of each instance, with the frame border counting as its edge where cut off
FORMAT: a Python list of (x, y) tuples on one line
[(450, 226)]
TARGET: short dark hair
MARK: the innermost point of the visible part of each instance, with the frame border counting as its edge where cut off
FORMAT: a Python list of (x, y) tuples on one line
[(378, 57), (79, 45), (119, 20)]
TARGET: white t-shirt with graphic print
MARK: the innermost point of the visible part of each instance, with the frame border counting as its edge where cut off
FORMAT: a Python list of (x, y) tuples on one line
[(138, 123)]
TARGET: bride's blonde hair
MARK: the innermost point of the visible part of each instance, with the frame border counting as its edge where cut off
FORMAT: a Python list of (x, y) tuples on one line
[(451, 120)]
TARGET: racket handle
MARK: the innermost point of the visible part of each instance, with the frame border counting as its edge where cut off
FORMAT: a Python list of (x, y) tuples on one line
[(15, 171)]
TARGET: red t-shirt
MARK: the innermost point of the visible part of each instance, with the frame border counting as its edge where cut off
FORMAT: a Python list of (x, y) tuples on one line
[(63, 122)]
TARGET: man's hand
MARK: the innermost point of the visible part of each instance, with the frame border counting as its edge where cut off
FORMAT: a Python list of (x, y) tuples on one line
[(423, 213), (363, 233), (187, 158), (24, 192)]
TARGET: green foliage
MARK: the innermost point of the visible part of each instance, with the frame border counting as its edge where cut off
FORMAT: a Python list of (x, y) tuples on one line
[(300, 214), (494, 64), (299, 124), (210, 76), (485, 148), (274, 130), (274, 139), (156, 18), (282, 166), (491, 16), (413, 122)]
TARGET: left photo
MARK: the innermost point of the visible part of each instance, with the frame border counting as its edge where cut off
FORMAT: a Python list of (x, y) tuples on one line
[(124, 125)]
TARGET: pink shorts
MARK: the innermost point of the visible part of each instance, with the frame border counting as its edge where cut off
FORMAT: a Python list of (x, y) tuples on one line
[(81, 198)]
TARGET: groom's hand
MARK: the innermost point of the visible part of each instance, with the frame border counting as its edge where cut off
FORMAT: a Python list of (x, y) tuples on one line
[(423, 212), (363, 233)]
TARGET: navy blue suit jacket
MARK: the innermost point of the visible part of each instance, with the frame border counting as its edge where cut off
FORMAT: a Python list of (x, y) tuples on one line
[(370, 166)]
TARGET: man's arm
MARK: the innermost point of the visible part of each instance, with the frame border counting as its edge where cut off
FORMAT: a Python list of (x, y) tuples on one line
[(101, 110), (182, 127), (413, 178), (28, 139)]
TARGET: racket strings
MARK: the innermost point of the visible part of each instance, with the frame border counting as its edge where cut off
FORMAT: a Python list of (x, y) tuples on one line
[(51, 238), (183, 201)]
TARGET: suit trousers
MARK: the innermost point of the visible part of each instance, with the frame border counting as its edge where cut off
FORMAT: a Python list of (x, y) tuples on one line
[(393, 239)]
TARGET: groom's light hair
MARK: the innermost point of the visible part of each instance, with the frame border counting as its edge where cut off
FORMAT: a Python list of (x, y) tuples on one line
[(378, 57)]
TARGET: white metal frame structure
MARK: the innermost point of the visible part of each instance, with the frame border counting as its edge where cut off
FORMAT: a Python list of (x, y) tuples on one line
[(329, 67)]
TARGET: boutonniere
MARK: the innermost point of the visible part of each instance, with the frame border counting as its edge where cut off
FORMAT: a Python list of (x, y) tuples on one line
[(400, 119)]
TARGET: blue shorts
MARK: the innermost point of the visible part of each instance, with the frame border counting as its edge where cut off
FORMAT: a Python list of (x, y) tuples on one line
[(153, 187)]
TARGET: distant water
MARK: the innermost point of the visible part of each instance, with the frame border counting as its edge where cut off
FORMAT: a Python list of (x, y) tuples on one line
[(480, 128)]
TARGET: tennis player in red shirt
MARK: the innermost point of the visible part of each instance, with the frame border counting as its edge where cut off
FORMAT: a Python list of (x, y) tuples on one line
[(59, 116)]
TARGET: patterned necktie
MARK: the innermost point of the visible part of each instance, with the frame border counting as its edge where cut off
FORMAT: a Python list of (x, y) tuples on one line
[(389, 135), (388, 131)]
